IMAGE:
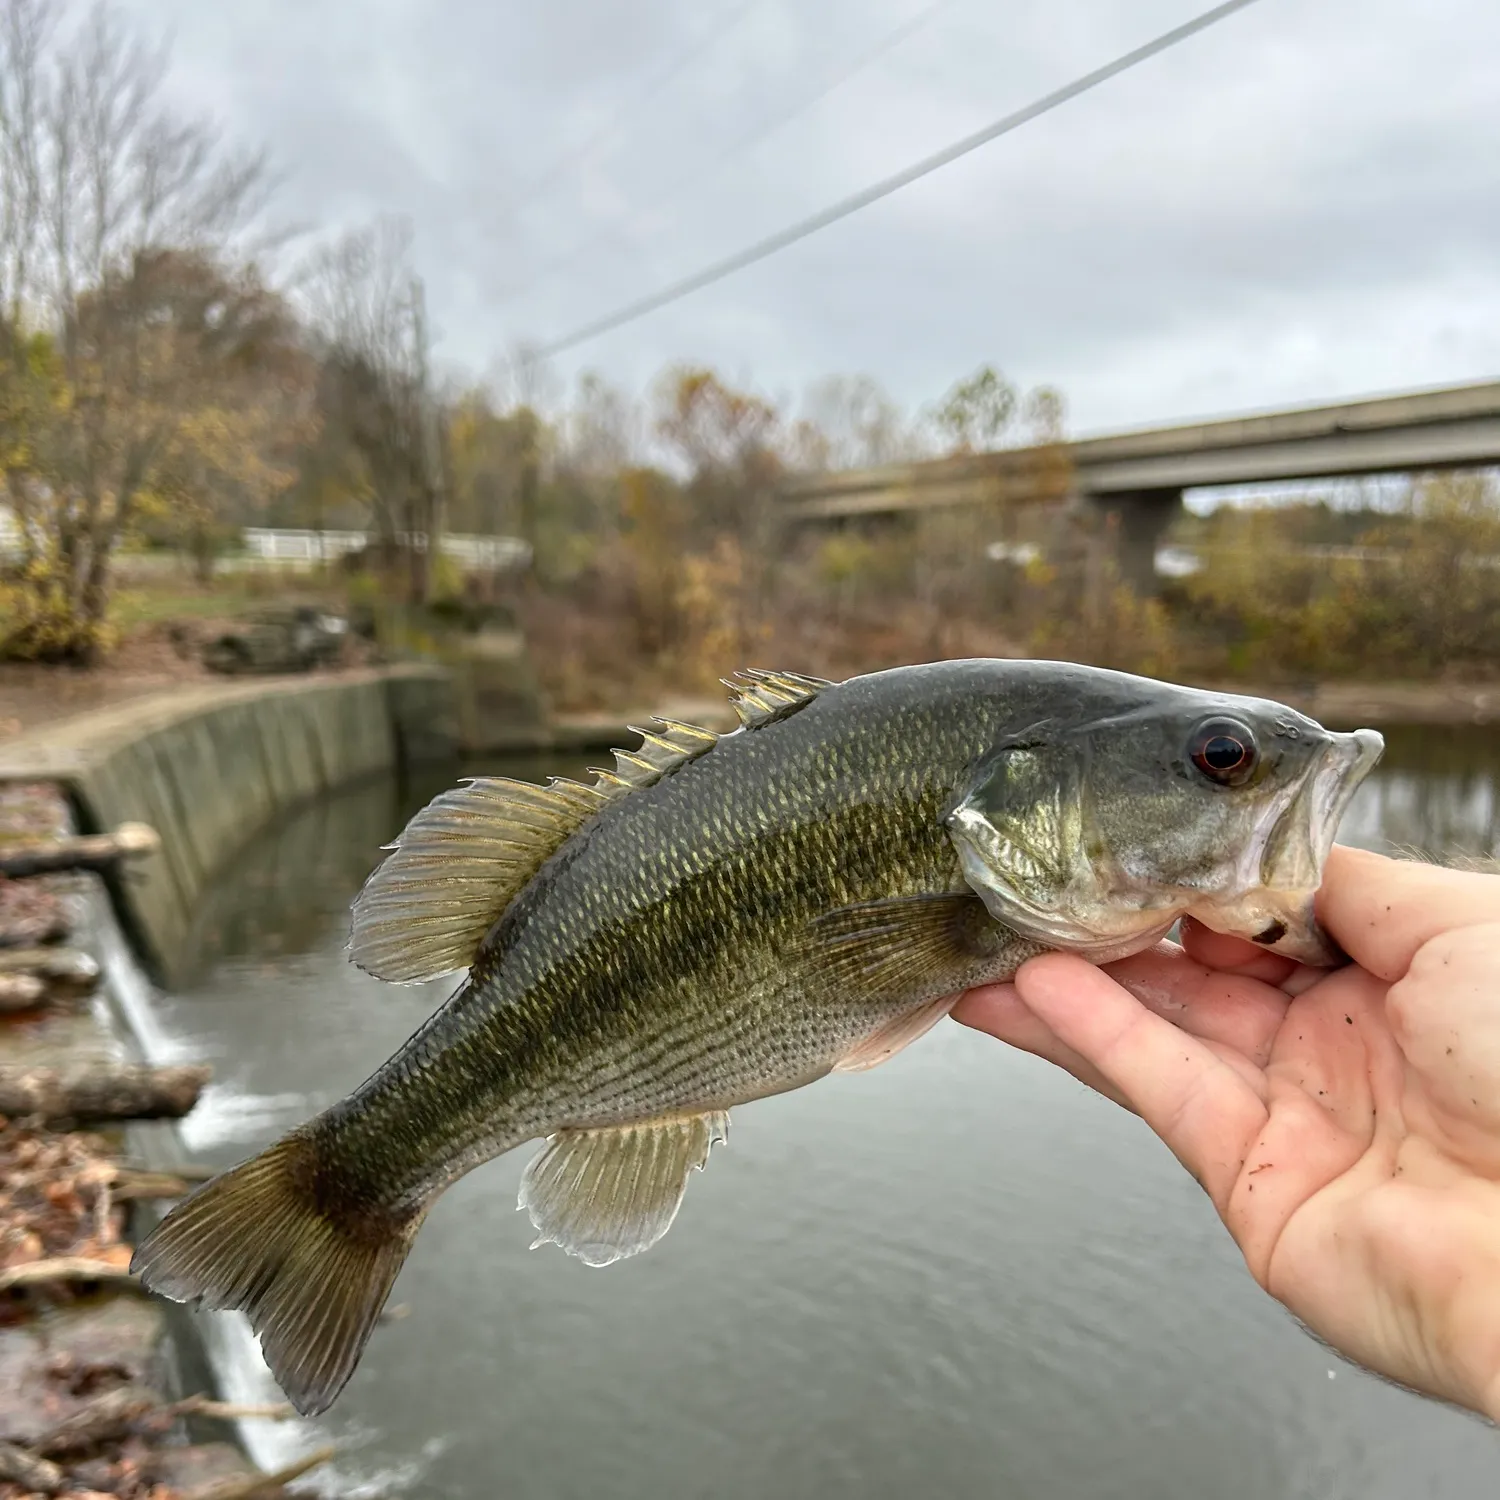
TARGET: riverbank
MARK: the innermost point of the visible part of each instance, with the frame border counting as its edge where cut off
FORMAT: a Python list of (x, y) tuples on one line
[(34, 698), (1343, 705), (1340, 705), (92, 1397), (207, 765)]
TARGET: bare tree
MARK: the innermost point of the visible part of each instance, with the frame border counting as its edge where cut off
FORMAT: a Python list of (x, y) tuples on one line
[(367, 304), (977, 411), (604, 433), (861, 425), (95, 164), (524, 377)]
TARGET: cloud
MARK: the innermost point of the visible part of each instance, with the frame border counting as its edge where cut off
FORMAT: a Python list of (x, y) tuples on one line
[(1303, 203)]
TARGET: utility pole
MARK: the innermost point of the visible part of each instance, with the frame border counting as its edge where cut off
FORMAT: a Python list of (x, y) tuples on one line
[(429, 442)]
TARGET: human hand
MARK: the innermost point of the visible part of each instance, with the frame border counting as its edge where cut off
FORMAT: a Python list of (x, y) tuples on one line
[(1346, 1124)]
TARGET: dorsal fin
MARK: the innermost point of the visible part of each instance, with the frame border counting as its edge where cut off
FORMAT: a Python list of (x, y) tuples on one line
[(661, 750), (762, 698), (462, 860), (455, 868)]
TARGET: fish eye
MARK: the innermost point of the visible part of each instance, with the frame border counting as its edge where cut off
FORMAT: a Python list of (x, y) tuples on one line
[(1224, 750)]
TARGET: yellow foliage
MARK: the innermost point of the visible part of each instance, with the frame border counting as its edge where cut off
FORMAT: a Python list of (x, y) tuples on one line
[(1417, 593), (38, 623), (719, 622)]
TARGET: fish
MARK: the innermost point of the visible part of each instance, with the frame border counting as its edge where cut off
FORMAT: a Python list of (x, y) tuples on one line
[(723, 917)]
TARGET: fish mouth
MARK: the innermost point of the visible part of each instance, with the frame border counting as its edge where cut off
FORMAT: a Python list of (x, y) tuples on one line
[(1279, 915), (1346, 763)]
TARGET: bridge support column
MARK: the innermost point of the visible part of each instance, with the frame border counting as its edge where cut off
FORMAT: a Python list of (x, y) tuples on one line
[(1138, 521)]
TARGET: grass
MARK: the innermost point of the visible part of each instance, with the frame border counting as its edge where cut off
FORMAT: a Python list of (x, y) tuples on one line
[(143, 603)]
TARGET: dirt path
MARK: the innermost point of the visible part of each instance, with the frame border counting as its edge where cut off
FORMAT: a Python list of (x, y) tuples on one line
[(31, 696)]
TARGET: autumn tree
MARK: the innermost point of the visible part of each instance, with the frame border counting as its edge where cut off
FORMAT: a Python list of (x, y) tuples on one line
[(727, 441), (111, 203), (240, 430)]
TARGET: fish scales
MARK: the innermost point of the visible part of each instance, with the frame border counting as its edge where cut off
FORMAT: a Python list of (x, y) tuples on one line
[(623, 982)]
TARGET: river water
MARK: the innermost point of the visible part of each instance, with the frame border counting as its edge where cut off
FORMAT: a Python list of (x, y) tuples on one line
[(959, 1275)]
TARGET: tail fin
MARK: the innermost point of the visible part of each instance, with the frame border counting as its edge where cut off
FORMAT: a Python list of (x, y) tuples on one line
[(311, 1282)]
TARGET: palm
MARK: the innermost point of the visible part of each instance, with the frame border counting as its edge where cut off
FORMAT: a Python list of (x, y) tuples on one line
[(1345, 1125)]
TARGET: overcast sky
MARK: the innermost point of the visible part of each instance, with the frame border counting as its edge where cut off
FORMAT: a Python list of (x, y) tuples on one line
[(1300, 204)]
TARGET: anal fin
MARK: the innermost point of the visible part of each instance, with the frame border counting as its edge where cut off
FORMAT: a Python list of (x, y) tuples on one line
[(606, 1194)]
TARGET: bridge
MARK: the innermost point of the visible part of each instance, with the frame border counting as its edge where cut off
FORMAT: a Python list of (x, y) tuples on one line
[(1139, 476)]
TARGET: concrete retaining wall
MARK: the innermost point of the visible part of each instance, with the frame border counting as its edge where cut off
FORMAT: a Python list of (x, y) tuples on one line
[(209, 766)]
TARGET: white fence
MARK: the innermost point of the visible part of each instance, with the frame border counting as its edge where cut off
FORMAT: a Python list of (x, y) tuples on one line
[(305, 548), (266, 547), (10, 533)]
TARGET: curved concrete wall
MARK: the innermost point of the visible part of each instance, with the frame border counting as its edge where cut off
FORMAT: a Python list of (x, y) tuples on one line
[(207, 767)]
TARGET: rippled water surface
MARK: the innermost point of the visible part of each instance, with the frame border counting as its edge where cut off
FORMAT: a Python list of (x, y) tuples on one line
[(959, 1275)]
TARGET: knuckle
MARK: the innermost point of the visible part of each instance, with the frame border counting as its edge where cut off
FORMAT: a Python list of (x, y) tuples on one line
[(1447, 975)]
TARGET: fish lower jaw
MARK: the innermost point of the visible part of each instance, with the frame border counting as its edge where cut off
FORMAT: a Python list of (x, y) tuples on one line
[(1108, 945), (1280, 921)]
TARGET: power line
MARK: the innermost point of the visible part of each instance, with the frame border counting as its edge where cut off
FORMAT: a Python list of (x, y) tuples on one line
[(767, 247), (612, 231), (570, 159)]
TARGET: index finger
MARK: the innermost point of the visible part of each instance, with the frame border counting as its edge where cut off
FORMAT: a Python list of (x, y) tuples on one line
[(1206, 1110), (1382, 910)]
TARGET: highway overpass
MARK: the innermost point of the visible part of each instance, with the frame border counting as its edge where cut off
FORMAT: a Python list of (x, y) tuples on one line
[(1140, 475)]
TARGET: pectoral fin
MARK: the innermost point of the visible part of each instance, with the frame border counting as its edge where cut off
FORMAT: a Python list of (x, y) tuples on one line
[(927, 947), (921, 945), (605, 1194)]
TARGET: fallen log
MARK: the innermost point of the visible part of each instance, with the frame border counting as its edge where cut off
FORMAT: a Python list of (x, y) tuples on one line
[(64, 967), (90, 851), (65, 1268), (105, 1419), (151, 1187), (35, 1475), (189, 1172), (101, 1091), (20, 991), (233, 1411), (117, 1414), (252, 1485), (48, 926)]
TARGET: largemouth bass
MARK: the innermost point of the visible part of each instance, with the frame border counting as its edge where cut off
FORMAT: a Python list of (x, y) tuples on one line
[(726, 917)]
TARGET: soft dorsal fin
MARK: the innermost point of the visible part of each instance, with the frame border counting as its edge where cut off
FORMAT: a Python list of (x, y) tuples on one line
[(455, 868), (764, 697), (461, 861)]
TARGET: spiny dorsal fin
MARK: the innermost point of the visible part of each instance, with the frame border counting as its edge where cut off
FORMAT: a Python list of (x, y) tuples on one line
[(462, 860), (456, 867), (762, 698), (661, 750)]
